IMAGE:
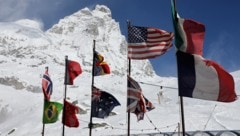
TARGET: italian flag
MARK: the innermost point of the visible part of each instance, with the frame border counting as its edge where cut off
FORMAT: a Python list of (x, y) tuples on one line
[(189, 34)]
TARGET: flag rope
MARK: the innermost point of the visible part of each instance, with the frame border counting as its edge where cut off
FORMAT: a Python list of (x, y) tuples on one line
[(210, 117), (159, 85), (155, 127), (149, 129)]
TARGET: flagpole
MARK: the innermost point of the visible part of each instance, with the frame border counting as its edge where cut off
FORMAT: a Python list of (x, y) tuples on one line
[(182, 115), (93, 67), (181, 98), (43, 129), (129, 115), (129, 73), (65, 94)]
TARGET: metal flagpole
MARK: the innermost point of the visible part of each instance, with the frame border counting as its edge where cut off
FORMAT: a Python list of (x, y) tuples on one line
[(93, 67), (129, 73), (43, 129), (65, 93), (182, 115), (129, 115), (181, 98)]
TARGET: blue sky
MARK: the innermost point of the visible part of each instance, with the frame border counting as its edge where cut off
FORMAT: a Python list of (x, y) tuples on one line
[(221, 19)]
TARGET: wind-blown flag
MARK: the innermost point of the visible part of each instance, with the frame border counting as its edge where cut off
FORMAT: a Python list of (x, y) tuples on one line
[(203, 79), (51, 111), (69, 115), (47, 85), (147, 42), (73, 70), (137, 103), (189, 34), (102, 103), (101, 67)]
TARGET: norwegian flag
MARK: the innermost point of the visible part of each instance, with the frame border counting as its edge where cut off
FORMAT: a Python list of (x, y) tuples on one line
[(47, 85), (137, 103)]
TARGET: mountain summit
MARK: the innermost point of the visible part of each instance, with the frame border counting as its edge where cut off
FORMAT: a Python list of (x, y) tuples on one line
[(24, 45)]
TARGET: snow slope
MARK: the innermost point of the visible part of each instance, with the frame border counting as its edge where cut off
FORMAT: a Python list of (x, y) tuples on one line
[(25, 50)]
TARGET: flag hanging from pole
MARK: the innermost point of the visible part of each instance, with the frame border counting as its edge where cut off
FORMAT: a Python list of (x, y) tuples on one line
[(47, 85), (69, 115), (147, 42), (137, 103), (73, 70), (189, 34), (203, 79), (51, 111), (102, 103), (101, 67)]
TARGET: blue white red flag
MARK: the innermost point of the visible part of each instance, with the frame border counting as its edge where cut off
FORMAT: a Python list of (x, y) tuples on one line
[(137, 103), (47, 85), (204, 79)]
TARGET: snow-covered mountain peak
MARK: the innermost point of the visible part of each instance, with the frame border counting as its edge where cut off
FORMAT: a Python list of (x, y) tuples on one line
[(78, 31), (24, 45), (103, 10)]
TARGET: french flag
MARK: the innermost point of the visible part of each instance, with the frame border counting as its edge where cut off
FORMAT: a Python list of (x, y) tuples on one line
[(203, 79)]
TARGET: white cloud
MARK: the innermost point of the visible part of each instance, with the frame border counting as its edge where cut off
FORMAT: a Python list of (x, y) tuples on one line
[(13, 9)]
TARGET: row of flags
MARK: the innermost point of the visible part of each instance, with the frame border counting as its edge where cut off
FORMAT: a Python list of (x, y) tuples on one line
[(102, 102), (197, 77)]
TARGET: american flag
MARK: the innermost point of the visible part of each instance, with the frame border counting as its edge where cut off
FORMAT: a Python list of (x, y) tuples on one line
[(147, 42), (137, 103), (47, 85)]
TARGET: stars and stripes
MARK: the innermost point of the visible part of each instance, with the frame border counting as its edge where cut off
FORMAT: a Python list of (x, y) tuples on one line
[(146, 42), (47, 85)]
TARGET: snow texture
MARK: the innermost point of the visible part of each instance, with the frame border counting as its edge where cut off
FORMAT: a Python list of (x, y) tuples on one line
[(25, 51)]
